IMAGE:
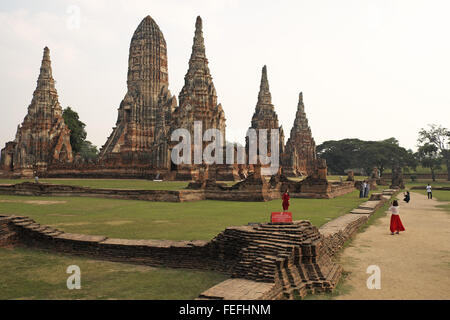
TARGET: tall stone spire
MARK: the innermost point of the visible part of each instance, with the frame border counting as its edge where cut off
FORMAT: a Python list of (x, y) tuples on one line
[(300, 152), (300, 106), (301, 122), (138, 111), (265, 116), (198, 97), (45, 97), (43, 138), (45, 80), (264, 96), (198, 48)]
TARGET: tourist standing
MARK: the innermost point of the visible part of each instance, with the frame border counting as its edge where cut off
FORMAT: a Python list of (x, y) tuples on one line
[(396, 223), (366, 190), (429, 193), (285, 199), (361, 190)]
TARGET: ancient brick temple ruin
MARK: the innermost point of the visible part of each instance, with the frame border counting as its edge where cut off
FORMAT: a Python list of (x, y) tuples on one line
[(146, 100), (198, 102), (300, 152), (43, 138), (265, 117), (140, 144)]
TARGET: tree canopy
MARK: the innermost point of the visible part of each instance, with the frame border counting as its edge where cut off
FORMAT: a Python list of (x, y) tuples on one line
[(439, 137), (358, 154), (78, 135)]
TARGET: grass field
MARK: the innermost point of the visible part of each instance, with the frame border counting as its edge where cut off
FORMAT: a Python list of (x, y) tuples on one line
[(34, 274), (133, 184), (422, 170), (130, 219)]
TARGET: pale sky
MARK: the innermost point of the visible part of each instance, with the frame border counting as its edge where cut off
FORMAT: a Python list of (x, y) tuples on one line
[(367, 69)]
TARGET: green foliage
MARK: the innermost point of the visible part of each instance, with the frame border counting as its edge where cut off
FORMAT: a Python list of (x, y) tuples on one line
[(78, 135), (434, 141), (354, 153), (39, 275), (88, 151), (77, 132), (429, 157)]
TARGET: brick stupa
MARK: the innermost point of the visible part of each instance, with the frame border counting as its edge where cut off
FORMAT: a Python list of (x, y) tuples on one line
[(198, 102), (300, 152), (265, 117), (43, 138), (132, 139)]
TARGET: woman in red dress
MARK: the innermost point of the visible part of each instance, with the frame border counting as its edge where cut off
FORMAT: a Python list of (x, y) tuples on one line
[(285, 199), (396, 223)]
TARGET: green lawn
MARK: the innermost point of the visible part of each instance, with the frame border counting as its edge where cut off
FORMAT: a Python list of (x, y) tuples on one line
[(130, 219), (35, 274), (421, 170), (134, 184)]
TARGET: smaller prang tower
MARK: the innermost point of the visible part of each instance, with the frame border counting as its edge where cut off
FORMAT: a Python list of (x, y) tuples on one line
[(43, 138), (299, 156)]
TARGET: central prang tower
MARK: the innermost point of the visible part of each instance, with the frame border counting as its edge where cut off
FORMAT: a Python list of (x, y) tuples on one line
[(147, 82)]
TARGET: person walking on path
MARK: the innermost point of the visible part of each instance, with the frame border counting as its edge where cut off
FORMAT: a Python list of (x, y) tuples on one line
[(429, 193), (285, 199), (396, 223)]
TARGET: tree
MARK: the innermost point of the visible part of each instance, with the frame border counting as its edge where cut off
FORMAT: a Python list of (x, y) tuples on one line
[(78, 135), (88, 151), (355, 153), (389, 154), (342, 154), (440, 138), (428, 155), (77, 132)]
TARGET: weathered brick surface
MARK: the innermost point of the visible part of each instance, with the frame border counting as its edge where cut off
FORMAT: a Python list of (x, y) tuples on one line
[(339, 230), (8, 237), (248, 190), (43, 138), (41, 189), (291, 257), (131, 141), (300, 151)]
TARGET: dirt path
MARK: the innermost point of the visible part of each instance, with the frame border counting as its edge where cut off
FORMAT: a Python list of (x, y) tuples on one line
[(414, 264)]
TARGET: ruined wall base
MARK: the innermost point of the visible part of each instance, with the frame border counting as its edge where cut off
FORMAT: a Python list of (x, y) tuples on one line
[(44, 189), (277, 261)]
